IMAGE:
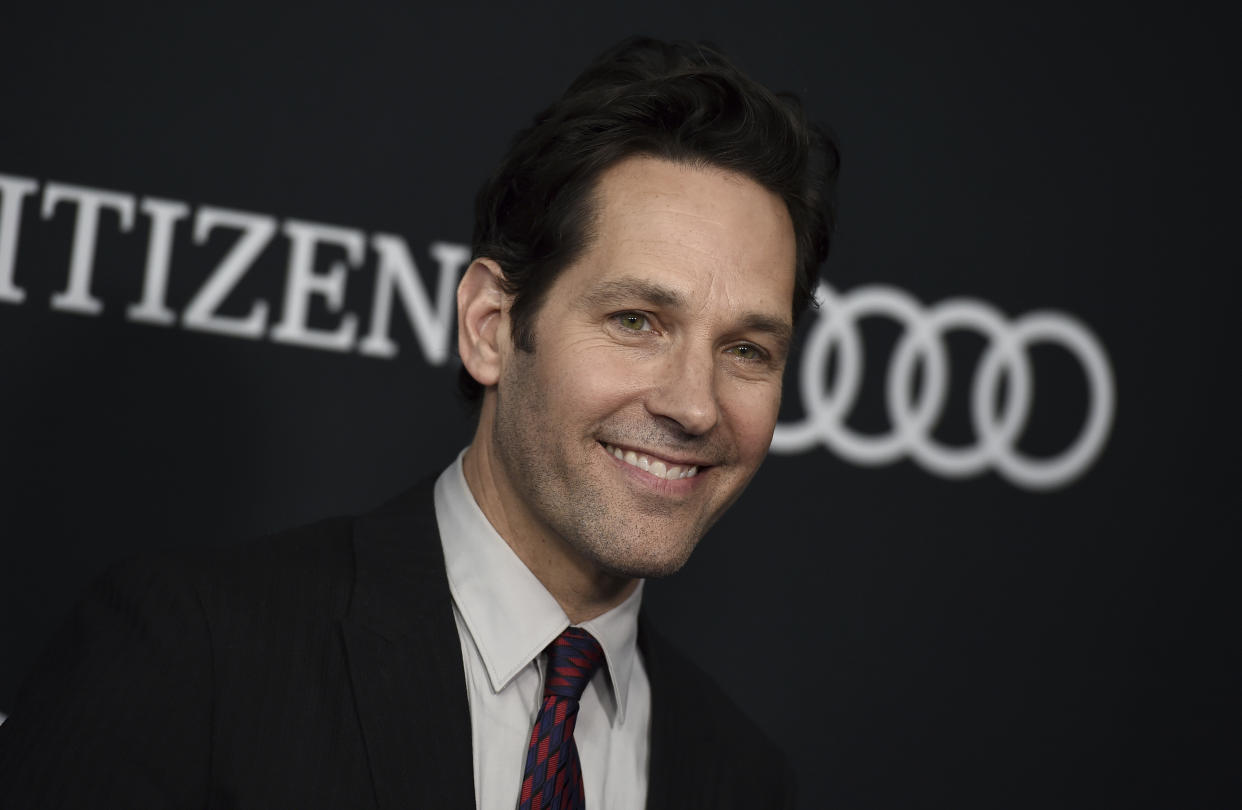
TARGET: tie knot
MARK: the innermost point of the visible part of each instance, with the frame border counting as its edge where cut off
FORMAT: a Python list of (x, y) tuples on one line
[(573, 658)]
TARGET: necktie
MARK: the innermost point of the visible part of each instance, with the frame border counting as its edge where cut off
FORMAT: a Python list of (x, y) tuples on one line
[(553, 776)]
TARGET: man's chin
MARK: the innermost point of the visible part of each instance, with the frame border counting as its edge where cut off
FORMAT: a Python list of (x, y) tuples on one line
[(652, 563)]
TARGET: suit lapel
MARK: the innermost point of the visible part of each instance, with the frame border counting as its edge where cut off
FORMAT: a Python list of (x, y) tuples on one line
[(405, 660), (675, 763)]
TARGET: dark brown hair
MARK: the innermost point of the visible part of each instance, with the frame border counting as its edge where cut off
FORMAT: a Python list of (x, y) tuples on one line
[(680, 101)]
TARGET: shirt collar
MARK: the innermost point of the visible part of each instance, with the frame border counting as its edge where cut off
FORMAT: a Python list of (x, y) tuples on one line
[(509, 614)]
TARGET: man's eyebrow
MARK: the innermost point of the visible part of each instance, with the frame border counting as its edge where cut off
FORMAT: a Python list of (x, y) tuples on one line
[(627, 290)]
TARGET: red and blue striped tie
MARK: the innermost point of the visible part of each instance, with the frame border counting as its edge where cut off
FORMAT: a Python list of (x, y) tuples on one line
[(553, 774)]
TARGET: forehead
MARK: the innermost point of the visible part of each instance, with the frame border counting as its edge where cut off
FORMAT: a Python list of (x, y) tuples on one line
[(715, 237)]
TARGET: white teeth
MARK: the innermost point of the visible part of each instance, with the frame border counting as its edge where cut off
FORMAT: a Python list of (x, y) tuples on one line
[(670, 472)]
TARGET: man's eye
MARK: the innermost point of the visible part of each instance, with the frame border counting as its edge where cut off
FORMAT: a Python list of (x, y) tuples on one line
[(746, 351), (633, 321)]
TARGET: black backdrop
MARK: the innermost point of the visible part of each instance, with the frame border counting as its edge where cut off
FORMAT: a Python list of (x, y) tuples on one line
[(968, 642)]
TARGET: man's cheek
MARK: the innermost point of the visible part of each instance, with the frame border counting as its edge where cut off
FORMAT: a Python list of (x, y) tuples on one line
[(753, 407), (604, 377)]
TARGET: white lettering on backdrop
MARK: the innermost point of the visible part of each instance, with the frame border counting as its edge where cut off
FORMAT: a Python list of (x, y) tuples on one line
[(430, 313), (913, 415)]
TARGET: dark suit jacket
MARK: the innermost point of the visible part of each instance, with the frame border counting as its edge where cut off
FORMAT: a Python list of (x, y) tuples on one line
[(317, 668)]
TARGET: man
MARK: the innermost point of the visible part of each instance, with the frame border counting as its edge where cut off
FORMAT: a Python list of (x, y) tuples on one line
[(640, 256)]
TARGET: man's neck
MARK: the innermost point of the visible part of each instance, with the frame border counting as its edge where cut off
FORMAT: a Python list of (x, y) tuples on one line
[(579, 585)]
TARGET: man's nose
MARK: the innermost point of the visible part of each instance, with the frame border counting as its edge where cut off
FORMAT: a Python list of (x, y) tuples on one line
[(685, 390)]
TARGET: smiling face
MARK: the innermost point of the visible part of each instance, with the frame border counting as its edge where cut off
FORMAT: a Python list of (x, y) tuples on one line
[(653, 389)]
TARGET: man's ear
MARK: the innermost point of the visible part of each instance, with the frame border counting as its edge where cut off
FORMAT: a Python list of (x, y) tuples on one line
[(481, 307)]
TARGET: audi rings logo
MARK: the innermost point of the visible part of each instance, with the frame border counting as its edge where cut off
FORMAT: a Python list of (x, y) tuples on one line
[(913, 418)]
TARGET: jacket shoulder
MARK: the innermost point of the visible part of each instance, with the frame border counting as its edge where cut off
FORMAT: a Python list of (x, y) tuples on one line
[(706, 751), (308, 568)]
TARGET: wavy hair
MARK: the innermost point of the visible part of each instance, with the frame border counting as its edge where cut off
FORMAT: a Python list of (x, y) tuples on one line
[(679, 101)]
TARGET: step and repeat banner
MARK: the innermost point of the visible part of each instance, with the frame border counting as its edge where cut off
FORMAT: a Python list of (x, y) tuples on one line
[(998, 513)]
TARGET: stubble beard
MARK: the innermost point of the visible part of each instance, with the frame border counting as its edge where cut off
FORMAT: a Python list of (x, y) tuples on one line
[(571, 506)]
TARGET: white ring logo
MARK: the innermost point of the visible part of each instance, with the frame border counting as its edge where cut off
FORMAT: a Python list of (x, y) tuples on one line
[(920, 346)]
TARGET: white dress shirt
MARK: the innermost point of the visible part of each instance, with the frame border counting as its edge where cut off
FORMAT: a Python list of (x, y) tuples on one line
[(505, 619)]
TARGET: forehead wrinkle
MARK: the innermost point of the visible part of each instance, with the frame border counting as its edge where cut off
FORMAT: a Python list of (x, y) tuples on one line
[(676, 234), (665, 237)]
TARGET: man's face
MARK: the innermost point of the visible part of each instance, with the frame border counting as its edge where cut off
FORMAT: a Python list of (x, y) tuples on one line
[(664, 344)]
